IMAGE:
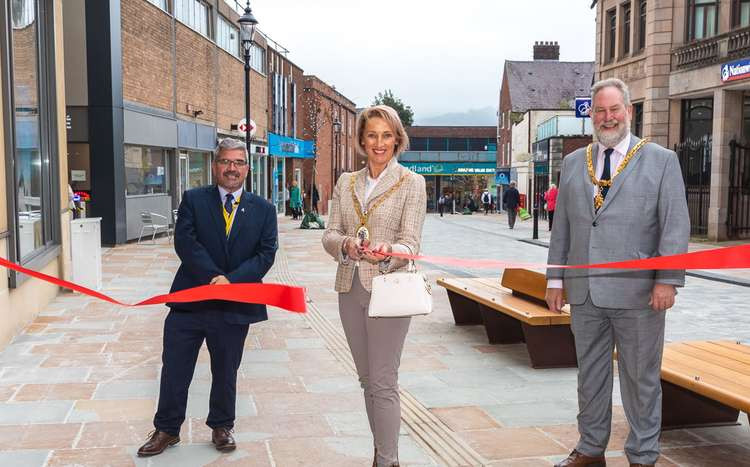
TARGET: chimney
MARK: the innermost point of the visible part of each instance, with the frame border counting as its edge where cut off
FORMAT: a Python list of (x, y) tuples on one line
[(544, 50)]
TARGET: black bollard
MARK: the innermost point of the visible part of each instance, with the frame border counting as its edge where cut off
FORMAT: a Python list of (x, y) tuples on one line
[(535, 235)]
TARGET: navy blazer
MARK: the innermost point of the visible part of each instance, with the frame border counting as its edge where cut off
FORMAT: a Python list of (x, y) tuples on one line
[(206, 252)]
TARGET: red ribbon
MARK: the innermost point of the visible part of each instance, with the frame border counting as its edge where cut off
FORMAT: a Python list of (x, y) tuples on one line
[(278, 295), (293, 298), (734, 257)]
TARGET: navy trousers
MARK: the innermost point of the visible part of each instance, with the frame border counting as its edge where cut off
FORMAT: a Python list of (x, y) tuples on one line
[(184, 332)]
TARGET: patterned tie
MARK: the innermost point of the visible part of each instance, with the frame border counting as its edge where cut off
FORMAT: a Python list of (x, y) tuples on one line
[(229, 203), (606, 171)]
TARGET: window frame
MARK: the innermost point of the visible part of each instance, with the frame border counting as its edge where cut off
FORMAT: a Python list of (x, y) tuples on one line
[(48, 138), (224, 23), (610, 35), (626, 28), (640, 31), (737, 14), (692, 6), (161, 4), (638, 122), (193, 13)]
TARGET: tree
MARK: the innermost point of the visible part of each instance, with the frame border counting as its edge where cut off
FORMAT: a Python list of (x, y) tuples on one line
[(404, 111)]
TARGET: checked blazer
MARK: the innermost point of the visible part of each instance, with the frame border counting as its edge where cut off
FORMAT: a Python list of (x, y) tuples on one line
[(398, 220), (644, 215)]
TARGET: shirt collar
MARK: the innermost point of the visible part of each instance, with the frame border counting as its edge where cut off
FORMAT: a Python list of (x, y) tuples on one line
[(620, 148), (387, 167), (223, 194)]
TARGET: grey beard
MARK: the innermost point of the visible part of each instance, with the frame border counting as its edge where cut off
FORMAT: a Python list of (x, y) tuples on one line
[(611, 140)]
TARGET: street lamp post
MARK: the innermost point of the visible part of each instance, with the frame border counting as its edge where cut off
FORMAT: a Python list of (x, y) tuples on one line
[(247, 26), (337, 135)]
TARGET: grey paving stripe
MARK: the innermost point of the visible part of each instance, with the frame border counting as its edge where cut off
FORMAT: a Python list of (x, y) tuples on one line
[(434, 436)]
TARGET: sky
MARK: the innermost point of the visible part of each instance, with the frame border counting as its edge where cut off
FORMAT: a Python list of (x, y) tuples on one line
[(438, 56)]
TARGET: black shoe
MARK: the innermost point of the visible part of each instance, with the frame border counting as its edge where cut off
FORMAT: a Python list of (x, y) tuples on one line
[(158, 441)]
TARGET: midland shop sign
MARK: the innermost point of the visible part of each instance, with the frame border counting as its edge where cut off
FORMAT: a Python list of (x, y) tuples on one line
[(451, 168), (736, 70)]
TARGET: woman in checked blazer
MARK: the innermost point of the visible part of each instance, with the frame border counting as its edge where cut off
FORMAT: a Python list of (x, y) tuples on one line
[(388, 217)]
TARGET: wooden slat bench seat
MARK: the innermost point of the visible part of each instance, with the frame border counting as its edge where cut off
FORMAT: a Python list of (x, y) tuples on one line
[(705, 383), (514, 311)]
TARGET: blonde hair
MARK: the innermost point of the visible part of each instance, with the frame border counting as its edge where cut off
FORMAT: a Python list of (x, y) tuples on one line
[(390, 116)]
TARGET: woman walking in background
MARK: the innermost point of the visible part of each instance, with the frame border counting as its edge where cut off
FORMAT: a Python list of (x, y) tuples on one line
[(377, 210), (550, 197), (295, 200)]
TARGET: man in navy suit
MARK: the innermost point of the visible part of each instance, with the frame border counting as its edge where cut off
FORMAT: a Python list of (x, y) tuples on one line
[(223, 235)]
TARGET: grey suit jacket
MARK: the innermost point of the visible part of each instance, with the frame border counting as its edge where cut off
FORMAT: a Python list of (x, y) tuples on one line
[(644, 214)]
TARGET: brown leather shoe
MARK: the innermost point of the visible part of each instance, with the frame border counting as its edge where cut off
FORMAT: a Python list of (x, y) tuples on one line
[(157, 442), (576, 459), (223, 439), (641, 465)]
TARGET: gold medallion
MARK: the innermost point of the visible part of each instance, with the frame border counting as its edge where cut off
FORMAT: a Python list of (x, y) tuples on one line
[(362, 234)]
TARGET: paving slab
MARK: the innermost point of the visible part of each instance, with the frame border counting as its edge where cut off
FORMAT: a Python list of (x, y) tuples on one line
[(79, 385)]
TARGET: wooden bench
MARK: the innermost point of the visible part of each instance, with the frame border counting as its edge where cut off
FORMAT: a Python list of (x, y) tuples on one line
[(514, 311), (705, 383)]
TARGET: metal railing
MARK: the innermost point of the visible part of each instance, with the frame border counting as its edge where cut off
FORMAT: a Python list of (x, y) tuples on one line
[(739, 43), (712, 50), (738, 212), (695, 162)]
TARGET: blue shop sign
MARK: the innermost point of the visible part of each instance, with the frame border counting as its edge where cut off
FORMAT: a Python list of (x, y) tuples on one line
[(736, 70), (290, 147), (502, 176), (451, 168)]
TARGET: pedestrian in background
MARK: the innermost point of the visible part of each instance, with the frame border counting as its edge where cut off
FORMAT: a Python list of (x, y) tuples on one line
[(394, 199), (511, 200), (441, 204), (486, 201), (643, 214), (223, 235), (550, 197), (295, 200)]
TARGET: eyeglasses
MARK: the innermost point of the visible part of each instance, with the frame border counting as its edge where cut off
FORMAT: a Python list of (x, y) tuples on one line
[(227, 162)]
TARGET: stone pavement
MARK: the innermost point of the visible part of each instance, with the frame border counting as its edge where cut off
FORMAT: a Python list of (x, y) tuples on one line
[(79, 385), (497, 225)]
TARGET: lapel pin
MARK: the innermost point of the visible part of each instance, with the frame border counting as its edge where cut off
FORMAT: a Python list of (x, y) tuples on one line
[(242, 210)]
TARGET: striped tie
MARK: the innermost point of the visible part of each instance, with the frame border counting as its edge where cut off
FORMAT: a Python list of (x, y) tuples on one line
[(229, 203)]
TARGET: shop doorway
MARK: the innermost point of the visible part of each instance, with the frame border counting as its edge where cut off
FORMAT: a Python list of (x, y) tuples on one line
[(738, 215), (695, 162)]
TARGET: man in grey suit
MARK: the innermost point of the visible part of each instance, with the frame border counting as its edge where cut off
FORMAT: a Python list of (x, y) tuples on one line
[(619, 199)]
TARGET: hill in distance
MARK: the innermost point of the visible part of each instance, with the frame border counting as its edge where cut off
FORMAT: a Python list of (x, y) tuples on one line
[(485, 116)]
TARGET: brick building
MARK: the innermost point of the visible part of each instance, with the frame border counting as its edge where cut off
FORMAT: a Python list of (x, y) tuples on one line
[(168, 81), (687, 64), (285, 121), (35, 215), (531, 94), (328, 120), (459, 160)]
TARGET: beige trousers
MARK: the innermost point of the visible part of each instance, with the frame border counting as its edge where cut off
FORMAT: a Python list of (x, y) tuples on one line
[(376, 345)]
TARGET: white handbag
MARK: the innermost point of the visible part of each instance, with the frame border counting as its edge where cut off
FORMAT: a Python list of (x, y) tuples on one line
[(400, 295)]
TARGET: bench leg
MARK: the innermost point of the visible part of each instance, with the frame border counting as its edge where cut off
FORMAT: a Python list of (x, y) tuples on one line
[(682, 408), (501, 328), (465, 311), (550, 346)]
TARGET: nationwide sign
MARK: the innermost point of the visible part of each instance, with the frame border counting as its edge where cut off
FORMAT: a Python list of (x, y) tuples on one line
[(451, 168), (736, 70)]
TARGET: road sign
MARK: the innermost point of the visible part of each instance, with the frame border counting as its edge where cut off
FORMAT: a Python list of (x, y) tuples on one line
[(583, 107), (241, 126)]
